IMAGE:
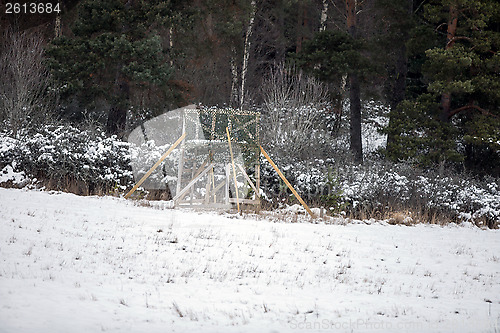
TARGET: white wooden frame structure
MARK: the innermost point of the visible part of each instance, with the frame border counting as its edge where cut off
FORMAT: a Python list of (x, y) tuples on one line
[(207, 168), (217, 194)]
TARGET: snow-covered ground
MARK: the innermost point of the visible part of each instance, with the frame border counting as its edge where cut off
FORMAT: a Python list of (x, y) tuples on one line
[(89, 264)]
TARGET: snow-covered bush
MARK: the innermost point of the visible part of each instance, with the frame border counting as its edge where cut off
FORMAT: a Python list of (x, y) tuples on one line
[(83, 161), (64, 157), (458, 197), (144, 156), (400, 186), (308, 178), (376, 189)]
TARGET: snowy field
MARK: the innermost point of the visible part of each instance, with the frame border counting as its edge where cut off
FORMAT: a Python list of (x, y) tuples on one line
[(89, 264)]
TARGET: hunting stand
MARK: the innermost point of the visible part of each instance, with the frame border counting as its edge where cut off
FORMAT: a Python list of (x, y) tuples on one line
[(215, 144), (207, 171)]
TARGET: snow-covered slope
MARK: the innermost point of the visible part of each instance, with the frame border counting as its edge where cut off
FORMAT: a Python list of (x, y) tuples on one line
[(88, 264)]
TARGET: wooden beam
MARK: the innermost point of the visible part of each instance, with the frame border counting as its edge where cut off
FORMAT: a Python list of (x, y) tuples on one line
[(218, 187), (136, 186), (226, 183), (207, 187), (248, 179), (257, 183), (234, 169), (180, 170), (245, 201), (201, 167), (190, 202), (286, 182), (192, 182)]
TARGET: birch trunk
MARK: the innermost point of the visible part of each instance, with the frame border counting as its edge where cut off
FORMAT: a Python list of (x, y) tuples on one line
[(233, 99), (246, 53), (57, 28), (324, 16), (171, 42)]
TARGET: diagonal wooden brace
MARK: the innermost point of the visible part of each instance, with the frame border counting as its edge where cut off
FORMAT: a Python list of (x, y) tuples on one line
[(192, 182), (153, 168)]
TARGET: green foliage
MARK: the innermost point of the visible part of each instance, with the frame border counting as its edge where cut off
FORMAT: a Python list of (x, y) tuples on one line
[(468, 66), (334, 198), (332, 54), (420, 136), (467, 70), (483, 130), (114, 55)]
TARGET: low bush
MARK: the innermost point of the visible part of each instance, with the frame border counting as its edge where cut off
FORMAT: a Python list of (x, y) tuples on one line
[(67, 158), (379, 190), (88, 162)]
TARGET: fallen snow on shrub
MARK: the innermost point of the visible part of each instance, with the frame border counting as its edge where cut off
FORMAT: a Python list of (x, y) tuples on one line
[(399, 186), (60, 153)]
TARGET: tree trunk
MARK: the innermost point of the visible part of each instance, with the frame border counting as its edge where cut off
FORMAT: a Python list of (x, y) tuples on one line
[(355, 124), (399, 85), (351, 16), (324, 16), (171, 43), (57, 27), (300, 26), (117, 115), (450, 41), (246, 53), (233, 98), (354, 92)]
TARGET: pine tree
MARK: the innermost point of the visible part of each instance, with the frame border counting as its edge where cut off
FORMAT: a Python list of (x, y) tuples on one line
[(114, 54), (339, 54), (394, 24), (456, 117)]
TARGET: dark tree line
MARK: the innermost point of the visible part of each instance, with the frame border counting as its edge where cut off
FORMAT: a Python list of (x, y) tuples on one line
[(434, 63)]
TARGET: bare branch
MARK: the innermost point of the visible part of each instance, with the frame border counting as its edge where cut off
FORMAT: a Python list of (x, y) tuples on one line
[(24, 81), (294, 108), (469, 107)]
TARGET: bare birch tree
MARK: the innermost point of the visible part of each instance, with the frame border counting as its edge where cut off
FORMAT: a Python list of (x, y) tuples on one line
[(24, 81), (294, 118), (246, 52), (324, 16)]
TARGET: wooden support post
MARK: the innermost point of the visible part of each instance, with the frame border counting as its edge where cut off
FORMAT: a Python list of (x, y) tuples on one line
[(286, 182), (248, 179), (257, 180), (207, 187), (213, 184), (136, 186), (193, 175), (180, 171), (234, 170), (228, 174), (257, 184)]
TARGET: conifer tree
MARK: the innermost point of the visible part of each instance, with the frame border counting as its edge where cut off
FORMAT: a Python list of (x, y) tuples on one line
[(457, 116), (114, 52), (333, 55)]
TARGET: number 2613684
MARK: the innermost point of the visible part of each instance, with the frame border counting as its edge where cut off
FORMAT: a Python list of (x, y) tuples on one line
[(32, 8)]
